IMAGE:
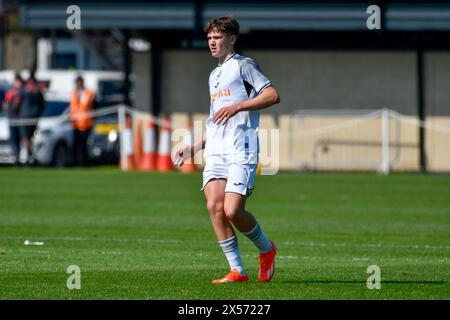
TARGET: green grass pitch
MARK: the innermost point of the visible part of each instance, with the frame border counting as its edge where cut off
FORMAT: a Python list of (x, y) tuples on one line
[(148, 236)]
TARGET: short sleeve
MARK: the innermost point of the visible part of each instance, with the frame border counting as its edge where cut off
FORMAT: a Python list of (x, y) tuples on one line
[(251, 73)]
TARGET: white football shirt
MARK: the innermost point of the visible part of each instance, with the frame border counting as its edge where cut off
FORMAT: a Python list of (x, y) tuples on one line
[(235, 80)]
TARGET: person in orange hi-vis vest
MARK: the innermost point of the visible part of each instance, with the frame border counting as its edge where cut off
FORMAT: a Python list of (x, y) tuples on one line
[(81, 106)]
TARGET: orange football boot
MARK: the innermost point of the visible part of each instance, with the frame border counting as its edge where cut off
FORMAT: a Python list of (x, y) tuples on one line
[(233, 276)]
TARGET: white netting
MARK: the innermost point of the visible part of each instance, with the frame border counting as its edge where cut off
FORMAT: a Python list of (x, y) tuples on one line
[(379, 140), (319, 140)]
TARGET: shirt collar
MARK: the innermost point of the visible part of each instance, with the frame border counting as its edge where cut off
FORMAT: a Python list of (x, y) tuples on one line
[(231, 56)]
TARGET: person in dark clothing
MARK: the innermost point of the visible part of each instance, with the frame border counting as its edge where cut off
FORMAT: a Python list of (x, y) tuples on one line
[(14, 98), (32, 107)]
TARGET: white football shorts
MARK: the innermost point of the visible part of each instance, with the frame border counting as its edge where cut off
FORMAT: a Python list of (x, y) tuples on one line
[(240, 175)]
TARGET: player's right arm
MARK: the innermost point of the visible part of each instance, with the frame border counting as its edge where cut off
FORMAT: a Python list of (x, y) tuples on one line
[(187, 152)]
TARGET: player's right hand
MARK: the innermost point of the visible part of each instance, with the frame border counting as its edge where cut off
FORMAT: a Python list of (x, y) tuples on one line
[(182, 154)]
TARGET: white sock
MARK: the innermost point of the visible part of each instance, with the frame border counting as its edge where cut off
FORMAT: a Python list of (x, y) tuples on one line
[(259, 239), (231, 251)]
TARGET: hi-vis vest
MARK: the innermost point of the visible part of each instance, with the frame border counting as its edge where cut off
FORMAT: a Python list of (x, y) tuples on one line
[(80, 109)]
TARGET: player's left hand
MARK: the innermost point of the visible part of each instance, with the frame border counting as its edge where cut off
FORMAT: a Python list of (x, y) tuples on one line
[(225, 113)]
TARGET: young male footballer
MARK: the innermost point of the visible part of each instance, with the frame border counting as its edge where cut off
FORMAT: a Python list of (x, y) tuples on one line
[(238, 89)]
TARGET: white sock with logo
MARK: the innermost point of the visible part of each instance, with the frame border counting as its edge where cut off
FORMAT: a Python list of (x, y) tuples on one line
[(230, 249)]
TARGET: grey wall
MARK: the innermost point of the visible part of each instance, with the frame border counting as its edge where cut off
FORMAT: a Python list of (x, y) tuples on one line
[(20, 51), (341, 80), (437, 96), (317, 80), (1, 53), (185, 81), (142, 83)]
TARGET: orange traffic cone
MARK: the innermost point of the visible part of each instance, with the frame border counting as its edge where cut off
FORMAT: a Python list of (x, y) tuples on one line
[(138, 143), (164, 161), (148, 162), (189, 165), (128, 147), (258, 169)]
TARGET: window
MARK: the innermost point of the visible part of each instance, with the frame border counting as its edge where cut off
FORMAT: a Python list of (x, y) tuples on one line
[(110, 91), (54, 108), (64, 61)]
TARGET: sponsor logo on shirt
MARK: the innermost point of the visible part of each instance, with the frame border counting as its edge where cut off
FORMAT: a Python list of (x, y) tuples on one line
[(219, 94)]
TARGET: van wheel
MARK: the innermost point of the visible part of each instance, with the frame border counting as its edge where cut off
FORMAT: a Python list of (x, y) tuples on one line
[(60, 155)]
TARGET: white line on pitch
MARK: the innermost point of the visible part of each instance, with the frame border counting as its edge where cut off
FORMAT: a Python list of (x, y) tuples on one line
[(288, 243)]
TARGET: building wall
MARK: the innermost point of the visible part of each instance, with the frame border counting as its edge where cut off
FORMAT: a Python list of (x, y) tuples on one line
[(437, 75), (1, 53), (19, 51), (311, 80), (142, 82), (185, 81), (341, 80), (336, 81), (437, 101), (437, 141)]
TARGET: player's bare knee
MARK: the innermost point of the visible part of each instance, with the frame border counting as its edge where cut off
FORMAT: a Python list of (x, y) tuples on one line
[(215, 208), (232, 212)]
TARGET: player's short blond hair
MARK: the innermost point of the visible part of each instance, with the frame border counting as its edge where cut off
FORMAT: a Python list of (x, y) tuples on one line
[(226, 24)]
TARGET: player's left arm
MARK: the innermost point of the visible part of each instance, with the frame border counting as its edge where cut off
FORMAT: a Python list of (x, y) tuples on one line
[(268, 97)]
